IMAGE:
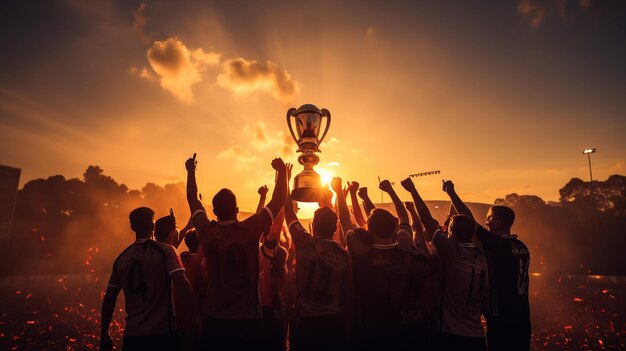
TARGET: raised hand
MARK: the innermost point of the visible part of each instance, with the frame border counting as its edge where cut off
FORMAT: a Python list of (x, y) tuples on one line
[(353, 187), (278, 164), (288, 167), (191, 163), (385, 186), (447, 186), (363, 193), (335, 184), (408, 185), (263, 190)]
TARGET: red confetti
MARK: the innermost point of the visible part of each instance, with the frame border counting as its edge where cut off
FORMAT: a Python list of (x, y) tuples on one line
[(578, 299)]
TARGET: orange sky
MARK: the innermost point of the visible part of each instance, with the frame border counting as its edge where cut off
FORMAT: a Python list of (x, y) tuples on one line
[(500, 100)]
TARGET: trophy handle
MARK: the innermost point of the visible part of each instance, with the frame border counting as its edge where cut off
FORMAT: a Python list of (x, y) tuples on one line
[(326, 113), (289, 115)]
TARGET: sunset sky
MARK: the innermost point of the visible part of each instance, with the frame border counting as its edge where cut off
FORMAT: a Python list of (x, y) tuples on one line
[(501, 96)]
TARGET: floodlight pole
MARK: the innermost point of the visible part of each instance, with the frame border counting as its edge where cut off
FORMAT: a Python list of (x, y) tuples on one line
[(588, 152)]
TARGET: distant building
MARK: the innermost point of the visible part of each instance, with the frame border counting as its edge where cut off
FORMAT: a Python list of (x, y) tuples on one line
[(9, 182)]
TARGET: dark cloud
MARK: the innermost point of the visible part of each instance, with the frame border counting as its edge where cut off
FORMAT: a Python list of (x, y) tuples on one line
[(248, 76)]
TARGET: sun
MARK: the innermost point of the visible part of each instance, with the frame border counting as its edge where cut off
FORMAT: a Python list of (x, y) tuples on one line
[(326, 175)]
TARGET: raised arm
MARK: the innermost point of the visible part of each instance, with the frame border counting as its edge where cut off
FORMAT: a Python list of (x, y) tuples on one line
[(342, 206), (459, 205), (182, 232), (192, 187), (262, 196), (418, 228), (277, 227), (280, 188), (403, 217), (356, 208), (367, 203), (430, 225)]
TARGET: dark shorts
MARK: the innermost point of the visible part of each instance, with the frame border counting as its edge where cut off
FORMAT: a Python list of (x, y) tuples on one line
[(326, 332), (451, 342), (160, 342), (231, 334), (272, 330), (508, 336)]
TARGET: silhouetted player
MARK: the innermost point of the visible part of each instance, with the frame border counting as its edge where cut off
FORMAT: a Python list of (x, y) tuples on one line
[(231, 249), (508, 323), (145, 272), (383, 268), (321, 279), (465, 285)]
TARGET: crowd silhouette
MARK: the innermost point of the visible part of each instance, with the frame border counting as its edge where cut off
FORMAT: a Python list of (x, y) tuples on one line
[(360, 279)]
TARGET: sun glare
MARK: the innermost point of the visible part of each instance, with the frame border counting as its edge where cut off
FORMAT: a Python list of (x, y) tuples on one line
[(326, 175)]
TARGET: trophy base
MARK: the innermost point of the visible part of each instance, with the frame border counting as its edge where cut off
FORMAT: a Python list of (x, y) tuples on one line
[(307, 194)]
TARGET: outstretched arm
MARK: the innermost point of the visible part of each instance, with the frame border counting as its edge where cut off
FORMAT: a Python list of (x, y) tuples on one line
[(430, 225), (356, 208), (277, 227), (192, 187), (182, 232), (403, 217), (418, 228), (262, 196), (280, 189), (367, 203), (458, 204), (342, 206)]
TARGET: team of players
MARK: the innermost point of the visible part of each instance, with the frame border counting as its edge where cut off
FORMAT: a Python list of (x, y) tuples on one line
[(376, 283)]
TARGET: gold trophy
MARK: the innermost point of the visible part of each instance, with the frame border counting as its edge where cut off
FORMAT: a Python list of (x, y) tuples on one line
[(307, 186)]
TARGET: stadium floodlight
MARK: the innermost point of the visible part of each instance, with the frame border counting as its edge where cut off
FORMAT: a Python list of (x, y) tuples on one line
[(588, 152)]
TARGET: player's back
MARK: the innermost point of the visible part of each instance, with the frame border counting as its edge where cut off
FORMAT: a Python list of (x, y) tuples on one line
[(321, 277), (232, 271), (509, 260), (142, 273), (380, 279), (465, 287)]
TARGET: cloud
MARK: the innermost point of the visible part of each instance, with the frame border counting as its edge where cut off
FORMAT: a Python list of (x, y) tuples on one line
[(139, 21), (261, 139), (249, 76), (536, 11), (141, 73), (178, 67), (239, 154)]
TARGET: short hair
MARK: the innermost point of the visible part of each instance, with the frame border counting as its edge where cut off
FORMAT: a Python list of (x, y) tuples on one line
[(141, 220), (505, 215), (462, 227), (163, 227), (225, 204), (382, 223), (324, 223), (192, 241)]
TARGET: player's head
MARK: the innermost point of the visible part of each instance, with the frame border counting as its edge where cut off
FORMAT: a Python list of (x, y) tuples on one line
[(225, 205), (382, 224), (500, 219), (165, 230), (192, 241), (142, 222), (462, 228), (324, 223)]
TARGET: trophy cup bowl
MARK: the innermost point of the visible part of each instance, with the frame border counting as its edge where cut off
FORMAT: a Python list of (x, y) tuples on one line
[(307, 185)]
